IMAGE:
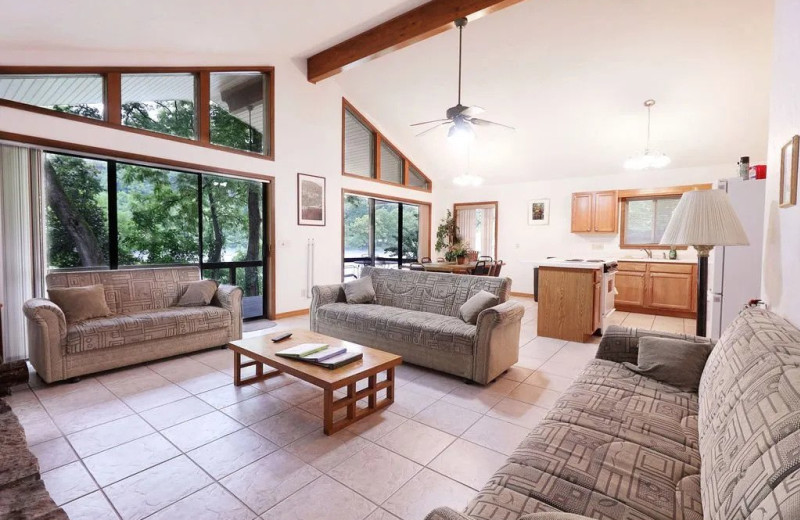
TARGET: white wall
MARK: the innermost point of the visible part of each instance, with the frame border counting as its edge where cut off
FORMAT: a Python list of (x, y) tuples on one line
[(307, 139), (780, 281), (518, 242)]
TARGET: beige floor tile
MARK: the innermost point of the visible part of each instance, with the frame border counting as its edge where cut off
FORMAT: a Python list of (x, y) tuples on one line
[(324, 452), (434, 384), (231, 453), (528, 363), (568, 364), (409, 403), (382, 514), (323, 499), (416, 441), (255, 409), (517, 412), (146, 391), (176, 412), (375, 472), (690, 327), (98, 438), (501, 386), (162, 485), (210, 503), (69, 482), (541, 348), (271, 479), (38, 426), (287, 426), (408, 372), (447, 417), (549, 381), (202, 430), (668, 324), (94, 415), (59, 398), (123, 461), (228, 395), (616, 318), (535, 395), (22, 398), (53, 454), (275, 382), (218, 359), (93, 506), (191, 375), (297, 392), (426, 491), (516, 373), (473, 397), (377, 425), (639, 321), (316, 406), (468, 463), (496, 434)]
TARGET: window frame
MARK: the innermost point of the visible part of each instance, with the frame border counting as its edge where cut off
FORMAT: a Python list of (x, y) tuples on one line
[(112, 99), (650, 194), (474, 205), (380, 139)]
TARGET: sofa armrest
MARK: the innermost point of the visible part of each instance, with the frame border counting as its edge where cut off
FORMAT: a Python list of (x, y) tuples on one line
[(553, 515), (323, 295), (445, 513), (621, 344), (497, 340), (230, 297), (47, 336)]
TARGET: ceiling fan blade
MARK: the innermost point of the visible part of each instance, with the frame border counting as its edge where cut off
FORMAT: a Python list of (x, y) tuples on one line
[(472, 111), (484, 122), (433, 128), (429, 122)]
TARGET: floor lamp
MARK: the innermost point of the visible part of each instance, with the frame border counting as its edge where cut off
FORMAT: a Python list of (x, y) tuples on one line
[(704, 219)]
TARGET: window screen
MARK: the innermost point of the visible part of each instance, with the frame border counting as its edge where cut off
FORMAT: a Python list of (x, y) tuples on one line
[(359, 147), (647, 219), (391, 165), (415, 178), (79, 94)]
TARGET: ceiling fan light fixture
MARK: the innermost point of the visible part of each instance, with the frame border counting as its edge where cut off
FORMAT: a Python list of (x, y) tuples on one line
[(461, 133), (468, 180), (649, 159)]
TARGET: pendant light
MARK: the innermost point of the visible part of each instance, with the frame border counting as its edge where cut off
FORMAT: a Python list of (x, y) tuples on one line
[(649, 159), (467, 178)]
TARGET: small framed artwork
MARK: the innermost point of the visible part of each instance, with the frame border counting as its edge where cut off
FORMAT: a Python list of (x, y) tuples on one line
[(310, 200), (789, 156), (539, 212)]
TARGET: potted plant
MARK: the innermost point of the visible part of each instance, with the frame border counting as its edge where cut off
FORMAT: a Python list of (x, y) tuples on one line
[(459, 251), (447, 236)]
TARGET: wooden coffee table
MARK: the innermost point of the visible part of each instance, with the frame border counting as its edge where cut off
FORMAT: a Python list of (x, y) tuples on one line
[(261, 351)]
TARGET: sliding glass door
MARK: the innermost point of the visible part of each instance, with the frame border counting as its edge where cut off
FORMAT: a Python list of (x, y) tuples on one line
[(379, 232), (111, 214)]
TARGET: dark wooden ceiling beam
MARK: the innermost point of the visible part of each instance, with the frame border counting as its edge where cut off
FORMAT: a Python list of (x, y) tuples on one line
[(406, 29)]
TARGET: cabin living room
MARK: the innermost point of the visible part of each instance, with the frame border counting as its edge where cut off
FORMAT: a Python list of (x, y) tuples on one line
[(399, 260)]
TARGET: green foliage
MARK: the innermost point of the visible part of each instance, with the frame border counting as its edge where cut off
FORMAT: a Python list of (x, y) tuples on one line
[(357, 224), (174, 117), (79, 110), (447, 232), (227, 130)]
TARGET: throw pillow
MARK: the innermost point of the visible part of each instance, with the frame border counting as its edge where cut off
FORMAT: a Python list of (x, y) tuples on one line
[(80, 303), (479, 302), (675, 362), (360, 291), (198, 294)]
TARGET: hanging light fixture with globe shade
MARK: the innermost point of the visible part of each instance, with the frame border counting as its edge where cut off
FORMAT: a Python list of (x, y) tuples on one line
[(650, 159), (467, 178)]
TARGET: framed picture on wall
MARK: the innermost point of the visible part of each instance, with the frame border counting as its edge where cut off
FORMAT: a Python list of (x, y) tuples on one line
[(539, 212), (310, 200), (789, 156)]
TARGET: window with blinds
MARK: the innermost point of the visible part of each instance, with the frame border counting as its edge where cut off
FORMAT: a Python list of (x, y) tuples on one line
[(416, 179), (391, 165), (359, 147), (646, 219)]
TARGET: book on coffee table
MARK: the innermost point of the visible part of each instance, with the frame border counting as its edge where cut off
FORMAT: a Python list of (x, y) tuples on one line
[(302, 350), (323, 354), (340, 360)]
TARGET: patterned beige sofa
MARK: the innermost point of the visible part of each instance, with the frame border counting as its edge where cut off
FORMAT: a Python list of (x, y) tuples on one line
[(620, 446), (145, 323), (415, 315)]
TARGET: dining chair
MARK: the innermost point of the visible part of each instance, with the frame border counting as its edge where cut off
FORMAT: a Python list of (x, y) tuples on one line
[(497, 267), (426, 260), (480, 269), (416, 266), (440, 259)]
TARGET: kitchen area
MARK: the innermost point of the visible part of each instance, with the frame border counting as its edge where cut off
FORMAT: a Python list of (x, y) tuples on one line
[(646, 285)]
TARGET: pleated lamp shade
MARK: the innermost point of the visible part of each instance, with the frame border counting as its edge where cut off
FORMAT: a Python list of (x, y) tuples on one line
[(704, 218)]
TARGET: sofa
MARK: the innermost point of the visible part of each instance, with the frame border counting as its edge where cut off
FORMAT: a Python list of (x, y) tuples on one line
[(415, 315), (620, 446), (145, 323)]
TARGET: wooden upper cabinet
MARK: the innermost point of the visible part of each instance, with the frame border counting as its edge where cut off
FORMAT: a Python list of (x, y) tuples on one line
[(594, 212)]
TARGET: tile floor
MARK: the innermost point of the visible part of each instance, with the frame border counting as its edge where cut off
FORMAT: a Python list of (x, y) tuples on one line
[(174, 439)]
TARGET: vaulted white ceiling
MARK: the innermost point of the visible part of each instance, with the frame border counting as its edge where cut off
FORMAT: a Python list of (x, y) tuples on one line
[(570, 75)]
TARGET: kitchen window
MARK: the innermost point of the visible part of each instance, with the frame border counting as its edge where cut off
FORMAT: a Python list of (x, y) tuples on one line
[(644, 220)]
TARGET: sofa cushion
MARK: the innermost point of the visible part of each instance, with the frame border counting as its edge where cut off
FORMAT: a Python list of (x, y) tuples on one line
[(198, 293), (672, 361), (359, 290), (136, 327), (474, 306), (80, 303), (373, 322)]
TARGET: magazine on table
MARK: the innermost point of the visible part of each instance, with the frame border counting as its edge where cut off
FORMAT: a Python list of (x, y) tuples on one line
[(320, 354)]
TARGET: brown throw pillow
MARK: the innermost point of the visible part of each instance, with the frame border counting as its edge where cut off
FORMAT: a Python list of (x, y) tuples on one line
[(80, 303), (198, 294), (675, 362), (359, 291), (475, 305)]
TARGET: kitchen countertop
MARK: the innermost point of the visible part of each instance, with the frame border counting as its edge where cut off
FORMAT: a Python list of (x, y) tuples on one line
[(658, 260), (557, 262)]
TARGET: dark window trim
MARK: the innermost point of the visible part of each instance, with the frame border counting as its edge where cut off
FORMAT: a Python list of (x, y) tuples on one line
[(380, 138), (112, 87)]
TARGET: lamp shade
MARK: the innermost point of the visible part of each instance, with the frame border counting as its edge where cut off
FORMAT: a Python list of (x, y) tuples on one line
[(704, 218)]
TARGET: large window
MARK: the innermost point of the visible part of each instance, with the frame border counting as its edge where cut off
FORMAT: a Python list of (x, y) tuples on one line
[(477, 226), (382, 233), (106, 213), (645, 219), (367, 153), (227, 109)]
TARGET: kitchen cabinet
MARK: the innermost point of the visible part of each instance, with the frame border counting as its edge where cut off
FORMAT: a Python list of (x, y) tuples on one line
[(594, 212), (657, 288), (569, 303)]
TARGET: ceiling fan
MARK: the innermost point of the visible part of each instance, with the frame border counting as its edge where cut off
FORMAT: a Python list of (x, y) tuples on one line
[(460, 117)]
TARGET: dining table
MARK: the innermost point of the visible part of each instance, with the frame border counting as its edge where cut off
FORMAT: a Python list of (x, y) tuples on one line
[(453, 267)]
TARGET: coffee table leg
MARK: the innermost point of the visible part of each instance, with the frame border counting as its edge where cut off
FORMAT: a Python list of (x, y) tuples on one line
[(238, 380), (390, 388), (237, 369), (327, 411)]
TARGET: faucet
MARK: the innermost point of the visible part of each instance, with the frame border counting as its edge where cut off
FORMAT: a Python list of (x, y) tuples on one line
[(648, 252)]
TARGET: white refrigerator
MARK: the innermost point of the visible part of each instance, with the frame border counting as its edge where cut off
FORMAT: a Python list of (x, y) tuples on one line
[(736, 273)]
